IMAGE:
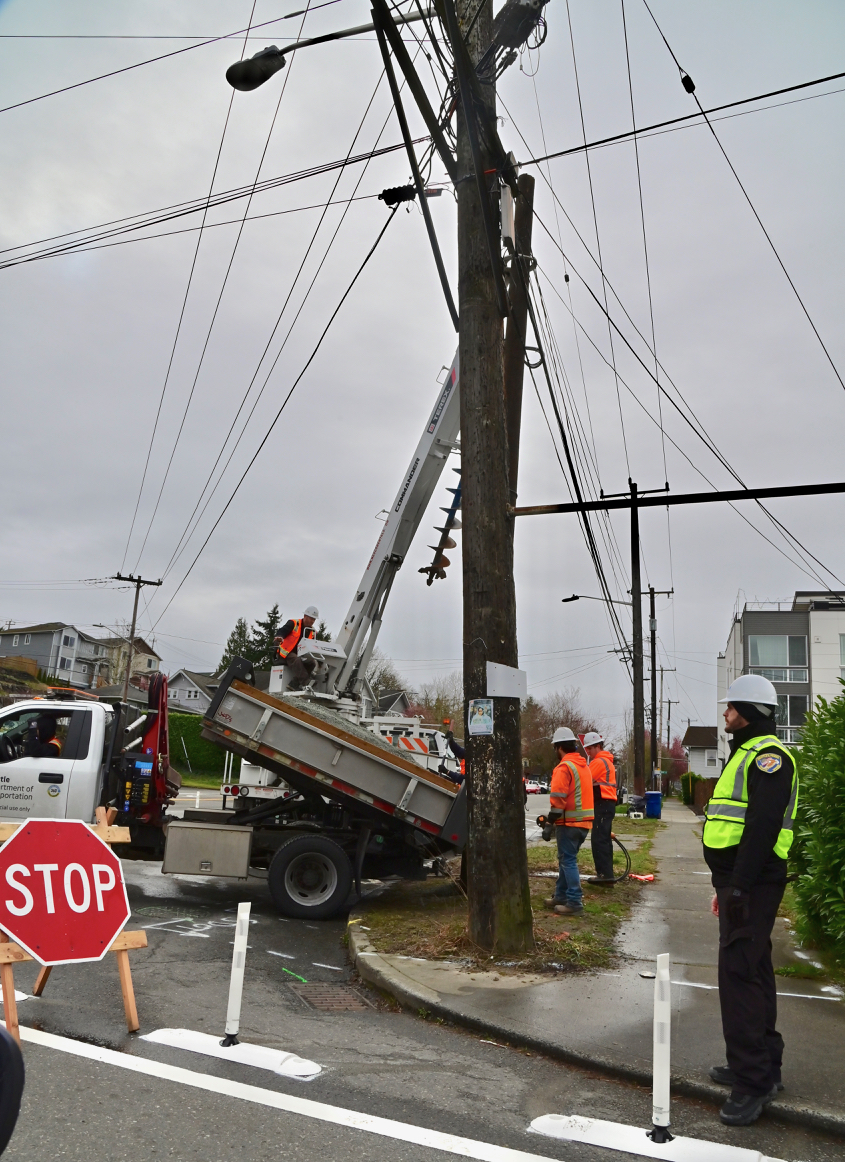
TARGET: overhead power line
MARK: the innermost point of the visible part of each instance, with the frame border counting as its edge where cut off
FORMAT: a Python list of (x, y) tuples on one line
[(150, 61), (284, 404), (690, 88), (678, 120)]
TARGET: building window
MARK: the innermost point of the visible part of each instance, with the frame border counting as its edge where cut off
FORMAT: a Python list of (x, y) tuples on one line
[(27, 639), (64, 663), (84, 669), (151, 663), (70, 642), (16, 639), (711, 759), (778, 657), (791, 714)]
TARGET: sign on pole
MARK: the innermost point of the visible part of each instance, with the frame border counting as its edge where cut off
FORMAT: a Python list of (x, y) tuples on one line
[(62, 894)]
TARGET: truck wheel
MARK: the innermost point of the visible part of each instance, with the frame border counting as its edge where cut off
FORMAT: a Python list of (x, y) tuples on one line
[(310, 877)]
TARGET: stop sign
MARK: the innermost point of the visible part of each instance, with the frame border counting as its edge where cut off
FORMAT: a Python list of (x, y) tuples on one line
[(62, 895)]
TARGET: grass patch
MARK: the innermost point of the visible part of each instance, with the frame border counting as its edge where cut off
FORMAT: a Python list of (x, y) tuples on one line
[(200, 779), (421, 918), (833, 970), (801, 972)]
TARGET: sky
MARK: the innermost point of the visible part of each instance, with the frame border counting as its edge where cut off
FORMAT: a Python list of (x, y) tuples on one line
[(94, 355)]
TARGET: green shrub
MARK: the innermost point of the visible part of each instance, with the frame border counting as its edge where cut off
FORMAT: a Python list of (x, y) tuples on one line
[(818, 852), (688, 781), (204, 757)]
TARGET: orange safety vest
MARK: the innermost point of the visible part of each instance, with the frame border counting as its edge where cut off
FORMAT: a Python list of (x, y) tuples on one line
[(288, 645), (53, 742), (572, 791), (604, 774)]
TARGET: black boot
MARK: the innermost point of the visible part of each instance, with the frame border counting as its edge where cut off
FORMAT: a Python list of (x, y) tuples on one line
[(745, 1108), (725, 1076)]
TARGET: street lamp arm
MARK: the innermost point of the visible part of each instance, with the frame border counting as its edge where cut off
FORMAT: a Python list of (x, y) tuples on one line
[(248, 74), (586, 597)]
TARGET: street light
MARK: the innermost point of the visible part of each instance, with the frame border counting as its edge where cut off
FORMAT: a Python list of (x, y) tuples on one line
[(586, 597)]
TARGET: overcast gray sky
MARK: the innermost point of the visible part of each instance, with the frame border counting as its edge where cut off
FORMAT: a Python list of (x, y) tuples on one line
[(87, 337)]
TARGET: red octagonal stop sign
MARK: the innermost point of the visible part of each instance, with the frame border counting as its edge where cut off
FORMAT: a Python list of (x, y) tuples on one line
[(62, 895)]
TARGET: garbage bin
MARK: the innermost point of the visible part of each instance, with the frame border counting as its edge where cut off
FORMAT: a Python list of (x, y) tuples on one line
[(653, 804)]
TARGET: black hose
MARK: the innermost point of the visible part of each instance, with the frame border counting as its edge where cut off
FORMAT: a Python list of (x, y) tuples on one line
[(627, 854)]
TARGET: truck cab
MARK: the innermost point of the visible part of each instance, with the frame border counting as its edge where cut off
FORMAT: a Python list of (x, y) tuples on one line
[(53, 755)]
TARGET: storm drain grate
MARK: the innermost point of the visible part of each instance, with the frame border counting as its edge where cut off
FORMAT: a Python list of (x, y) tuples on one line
[(333, 998)]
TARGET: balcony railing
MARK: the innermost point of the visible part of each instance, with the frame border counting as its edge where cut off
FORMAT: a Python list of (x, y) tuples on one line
[(781, 674)]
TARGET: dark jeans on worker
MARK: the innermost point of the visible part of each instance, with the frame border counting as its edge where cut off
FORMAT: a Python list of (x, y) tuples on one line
[(568, 886), (300, 669), (600, 841), (747, 992)]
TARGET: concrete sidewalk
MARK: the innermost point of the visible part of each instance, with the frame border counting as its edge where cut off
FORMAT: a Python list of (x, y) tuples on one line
[(605, 1020)]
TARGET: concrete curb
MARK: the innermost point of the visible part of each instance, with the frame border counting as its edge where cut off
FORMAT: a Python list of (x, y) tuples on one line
[(375, 970)]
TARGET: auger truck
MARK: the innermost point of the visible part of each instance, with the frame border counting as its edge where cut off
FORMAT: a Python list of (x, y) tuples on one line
[(329, 790)]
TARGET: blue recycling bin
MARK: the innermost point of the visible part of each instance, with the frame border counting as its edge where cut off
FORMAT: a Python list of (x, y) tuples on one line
[(653, 804)]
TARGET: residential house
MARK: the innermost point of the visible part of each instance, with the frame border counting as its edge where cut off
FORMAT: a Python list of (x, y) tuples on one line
[(702, 746), (145, 661), (61, 650), (190, 691), (797, 645), (392, 702)]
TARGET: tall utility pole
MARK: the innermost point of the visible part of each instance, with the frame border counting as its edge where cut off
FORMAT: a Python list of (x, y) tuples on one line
[(656, 730), (137, 582), (637, 647), (663, 670), (497, 871), (514, 355)]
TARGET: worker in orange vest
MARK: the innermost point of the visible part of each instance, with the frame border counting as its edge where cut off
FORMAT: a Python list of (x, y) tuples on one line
[(287, 642), (42, 742), (572, 813), (603, 773)]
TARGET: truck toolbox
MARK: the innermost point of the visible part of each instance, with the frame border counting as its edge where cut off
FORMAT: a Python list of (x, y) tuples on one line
[(207, 849)]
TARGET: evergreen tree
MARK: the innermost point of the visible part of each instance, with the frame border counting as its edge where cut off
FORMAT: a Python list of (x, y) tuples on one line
[(237, 645), (322, 634), (263, 633)]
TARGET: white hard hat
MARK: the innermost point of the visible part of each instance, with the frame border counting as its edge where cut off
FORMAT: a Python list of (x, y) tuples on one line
[(312, 611), (592, 738), (563, 734), (751, 688)]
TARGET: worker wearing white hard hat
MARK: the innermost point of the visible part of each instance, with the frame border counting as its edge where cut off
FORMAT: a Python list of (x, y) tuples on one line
[(300, 669), (572, 803), (748, 832), (603, 774)]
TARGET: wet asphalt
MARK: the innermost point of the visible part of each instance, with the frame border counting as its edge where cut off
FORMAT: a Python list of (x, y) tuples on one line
[(376, 1060)]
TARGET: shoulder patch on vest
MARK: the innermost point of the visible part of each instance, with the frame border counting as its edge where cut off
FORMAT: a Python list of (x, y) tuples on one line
[(769, 763)]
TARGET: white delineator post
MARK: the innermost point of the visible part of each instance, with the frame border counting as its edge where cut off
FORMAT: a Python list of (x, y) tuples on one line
[(662, 1045), (236, 981)]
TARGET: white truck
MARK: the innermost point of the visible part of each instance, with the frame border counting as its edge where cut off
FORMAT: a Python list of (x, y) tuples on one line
[(329, 790)]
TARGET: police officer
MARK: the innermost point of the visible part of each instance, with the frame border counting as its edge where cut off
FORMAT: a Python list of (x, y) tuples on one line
[(747, 835)]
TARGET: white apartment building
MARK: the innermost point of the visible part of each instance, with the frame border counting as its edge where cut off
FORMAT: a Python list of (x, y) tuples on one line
[(799, 646)]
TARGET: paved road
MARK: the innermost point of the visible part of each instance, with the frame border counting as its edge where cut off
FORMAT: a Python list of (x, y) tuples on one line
[(376, 1061)]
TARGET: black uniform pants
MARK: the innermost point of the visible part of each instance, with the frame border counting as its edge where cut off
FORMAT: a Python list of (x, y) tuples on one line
[(600, 841), (747, 993), (300, 669)]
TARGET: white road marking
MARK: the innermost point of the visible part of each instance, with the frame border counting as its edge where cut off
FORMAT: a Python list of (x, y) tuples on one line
[(320, 1111), (286, 955), (19, 997), (261, 1056), (333, 967), (633, 1140), (691, 984)]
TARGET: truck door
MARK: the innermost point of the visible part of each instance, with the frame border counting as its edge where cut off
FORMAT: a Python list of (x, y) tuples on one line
[(38, 750)]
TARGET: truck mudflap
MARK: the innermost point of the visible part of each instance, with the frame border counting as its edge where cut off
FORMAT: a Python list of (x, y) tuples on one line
[(320, 752)]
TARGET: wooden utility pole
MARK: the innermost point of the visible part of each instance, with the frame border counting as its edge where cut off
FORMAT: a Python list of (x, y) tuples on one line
[(637, 650), (137, 582), (654, 735), (514, 356), (497, 873)]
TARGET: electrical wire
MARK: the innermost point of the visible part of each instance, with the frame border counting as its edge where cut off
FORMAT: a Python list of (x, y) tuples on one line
[(284, 404), (598, 240), (184, 209), (141, 64), (188, 532), (221, 292), (181, 315), (648, 129), (752, 207)]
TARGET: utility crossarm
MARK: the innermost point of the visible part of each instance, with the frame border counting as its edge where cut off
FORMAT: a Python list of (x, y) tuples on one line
[(357, 637), (659, 501)]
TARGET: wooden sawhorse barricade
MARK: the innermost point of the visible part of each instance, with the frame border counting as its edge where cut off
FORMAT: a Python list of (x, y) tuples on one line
[(12, 954)]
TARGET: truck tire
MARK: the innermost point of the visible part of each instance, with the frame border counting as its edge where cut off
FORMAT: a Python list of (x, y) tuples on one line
[(310, 877)]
